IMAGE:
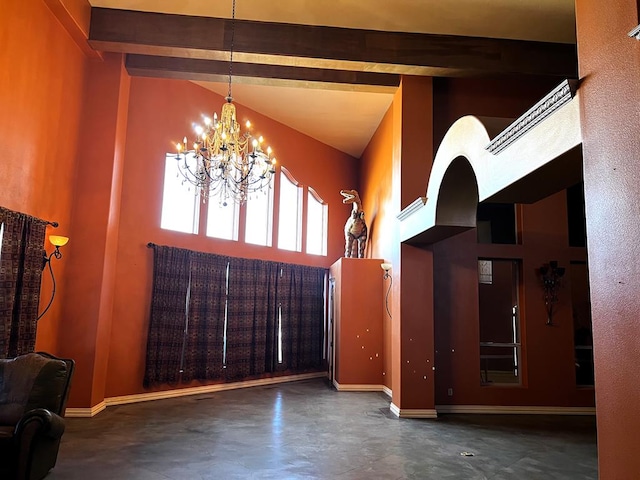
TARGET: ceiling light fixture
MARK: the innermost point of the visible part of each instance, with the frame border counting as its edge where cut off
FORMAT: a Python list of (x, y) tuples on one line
[(225, 162)]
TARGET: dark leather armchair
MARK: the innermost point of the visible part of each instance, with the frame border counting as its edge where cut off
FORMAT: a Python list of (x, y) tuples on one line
[(33, 396)]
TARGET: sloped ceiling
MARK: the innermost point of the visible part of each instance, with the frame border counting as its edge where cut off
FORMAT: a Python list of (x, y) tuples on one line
[(334, 84)]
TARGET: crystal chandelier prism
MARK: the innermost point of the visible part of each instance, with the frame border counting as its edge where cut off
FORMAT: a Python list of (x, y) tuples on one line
[(224, 162)]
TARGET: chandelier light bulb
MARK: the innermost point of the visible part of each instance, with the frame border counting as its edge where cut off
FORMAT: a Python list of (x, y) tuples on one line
[(207, 121)]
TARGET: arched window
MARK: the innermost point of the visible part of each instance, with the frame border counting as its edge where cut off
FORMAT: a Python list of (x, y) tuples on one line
[(316, 224), (290, 220)]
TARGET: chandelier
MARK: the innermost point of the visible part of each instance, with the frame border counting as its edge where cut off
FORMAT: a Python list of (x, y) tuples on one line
[(224, 162)]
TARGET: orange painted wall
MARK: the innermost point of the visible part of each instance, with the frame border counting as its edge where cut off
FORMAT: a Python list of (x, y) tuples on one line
[(42, 72), (492, 97), (548, 369), (609, 62), (161, 112), (88, 299), (377, 200), (358, 343)]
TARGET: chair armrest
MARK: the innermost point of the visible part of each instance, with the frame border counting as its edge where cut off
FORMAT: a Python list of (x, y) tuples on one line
[(40, 421)]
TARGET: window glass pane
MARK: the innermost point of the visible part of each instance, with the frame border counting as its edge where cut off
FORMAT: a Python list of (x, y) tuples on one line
[(1, 235), (259, 218), (289, 231), (180, 202), (499, 324), (496, 223), (222, 221), (583, 338), (316, 225)]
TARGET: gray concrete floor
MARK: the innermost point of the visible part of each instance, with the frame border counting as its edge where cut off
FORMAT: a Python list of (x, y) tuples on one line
[(307, 430)]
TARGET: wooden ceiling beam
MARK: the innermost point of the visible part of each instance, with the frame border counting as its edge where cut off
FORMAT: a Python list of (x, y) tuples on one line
[(321, 47), (218, 71)]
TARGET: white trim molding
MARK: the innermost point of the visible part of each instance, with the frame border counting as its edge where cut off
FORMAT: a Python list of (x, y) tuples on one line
[(515, 410), (387, 391), (183, 392), (85, 412), (355, 387), (413, 412), (635, 33)]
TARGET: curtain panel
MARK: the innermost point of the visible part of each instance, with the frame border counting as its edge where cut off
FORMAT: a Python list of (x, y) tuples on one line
[(302, 298), (168, 319), (21, 262), (204, 344), (215, 317)]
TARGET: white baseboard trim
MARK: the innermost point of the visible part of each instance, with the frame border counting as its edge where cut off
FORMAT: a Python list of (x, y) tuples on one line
[(183, 392), (515, 410), (85, 412), (413, 412), (355, 387), (387, 391)]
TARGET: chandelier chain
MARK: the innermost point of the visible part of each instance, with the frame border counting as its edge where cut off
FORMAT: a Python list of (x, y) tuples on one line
[(233, 34)]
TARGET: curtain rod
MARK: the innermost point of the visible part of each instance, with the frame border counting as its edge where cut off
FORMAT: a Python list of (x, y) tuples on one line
[(151, 245)]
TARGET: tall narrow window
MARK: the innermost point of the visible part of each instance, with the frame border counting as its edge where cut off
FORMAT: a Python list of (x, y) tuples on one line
[(222, 220), (583, 338), (180, 204), (290, 219), (499, 322), (259, 218), (1, 236), (316, 224)]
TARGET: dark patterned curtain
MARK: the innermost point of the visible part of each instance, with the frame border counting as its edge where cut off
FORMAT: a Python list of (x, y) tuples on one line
[(203, 357), (21, 262), (168, 319), (251, 318), (301, 294)]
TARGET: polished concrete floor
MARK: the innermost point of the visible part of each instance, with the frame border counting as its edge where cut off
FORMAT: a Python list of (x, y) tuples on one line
[(307, 430)]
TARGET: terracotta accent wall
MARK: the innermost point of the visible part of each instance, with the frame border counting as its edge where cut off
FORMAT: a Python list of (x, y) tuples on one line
[(377, 200), (160, 113), (609, 62), (88, 299), (42, 72), (492, 97), (548, 363), (358, 326)]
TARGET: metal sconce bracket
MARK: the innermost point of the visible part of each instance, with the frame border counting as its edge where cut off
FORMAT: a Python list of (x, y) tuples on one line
[(551, 274)]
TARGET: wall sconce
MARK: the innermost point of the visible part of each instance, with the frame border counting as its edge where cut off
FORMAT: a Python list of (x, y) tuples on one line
[(57, 241), (551, 274), (386, 267)]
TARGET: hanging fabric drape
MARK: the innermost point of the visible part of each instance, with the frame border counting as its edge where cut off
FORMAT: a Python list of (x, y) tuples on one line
[(251, 317), (168, 319), (204, 347), (215, 317), (21, 262), (301, 295)]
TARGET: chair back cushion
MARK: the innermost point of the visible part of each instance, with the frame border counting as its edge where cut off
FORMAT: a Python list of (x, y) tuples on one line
[(31, 381)]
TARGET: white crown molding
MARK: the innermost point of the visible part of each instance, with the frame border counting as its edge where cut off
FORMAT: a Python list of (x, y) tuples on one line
[(515, 410), (635, 33), (556, 98)]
